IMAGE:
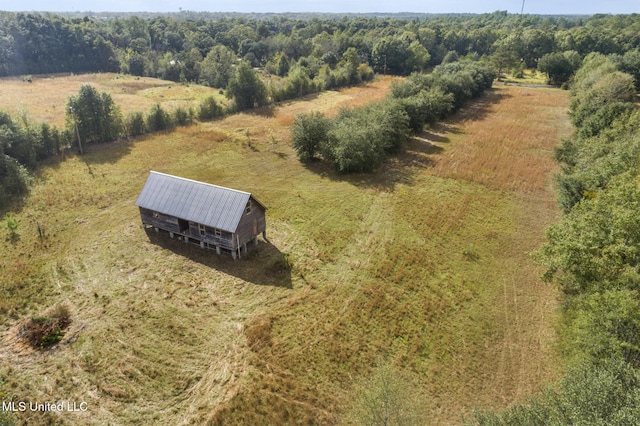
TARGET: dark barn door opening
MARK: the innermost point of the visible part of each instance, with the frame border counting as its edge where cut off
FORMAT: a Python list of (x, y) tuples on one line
[(183, 225)]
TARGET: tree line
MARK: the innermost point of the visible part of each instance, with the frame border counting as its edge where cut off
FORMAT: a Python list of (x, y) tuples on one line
[(593, 256), (359, 139), (200, 47)]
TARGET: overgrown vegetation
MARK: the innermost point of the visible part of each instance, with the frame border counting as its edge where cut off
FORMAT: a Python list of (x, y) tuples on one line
[(592, 255), (423, 262), (44, 331), (358, 140)]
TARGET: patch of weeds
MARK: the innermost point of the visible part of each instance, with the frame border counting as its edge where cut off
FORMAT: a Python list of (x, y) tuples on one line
[(281, 265), (470, 253), (258, 332), (44, 331)]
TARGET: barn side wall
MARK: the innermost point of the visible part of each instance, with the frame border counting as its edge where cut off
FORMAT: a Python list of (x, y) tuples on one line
[(225, 240), (158, 220), (252, 224)]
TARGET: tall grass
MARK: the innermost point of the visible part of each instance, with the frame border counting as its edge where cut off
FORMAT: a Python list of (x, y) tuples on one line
[(168, 334)]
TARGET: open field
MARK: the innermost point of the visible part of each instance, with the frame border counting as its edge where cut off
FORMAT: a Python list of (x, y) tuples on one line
[(45, 98), (423, 264)]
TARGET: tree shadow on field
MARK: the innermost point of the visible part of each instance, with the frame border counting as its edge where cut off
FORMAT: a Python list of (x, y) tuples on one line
[(478, 109), (386, 177), (419, 151), (263, 265), (266, 111), (109, 152)]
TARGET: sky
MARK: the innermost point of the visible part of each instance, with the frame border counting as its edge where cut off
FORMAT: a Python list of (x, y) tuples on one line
[(544, 7)]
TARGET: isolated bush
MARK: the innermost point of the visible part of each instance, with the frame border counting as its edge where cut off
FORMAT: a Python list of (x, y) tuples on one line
[(44, 331), (181, 116), (308, 133), (158, 119), (209, 109), (11, 223), (135, 124), (387, 398)]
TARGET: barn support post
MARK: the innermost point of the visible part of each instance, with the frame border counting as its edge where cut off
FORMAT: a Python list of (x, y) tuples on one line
[(238, 241), (156, 229), (217, 249), (171, 234), (201, 244)]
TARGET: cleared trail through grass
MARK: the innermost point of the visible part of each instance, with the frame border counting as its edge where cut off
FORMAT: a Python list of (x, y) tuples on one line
[(424, 263)]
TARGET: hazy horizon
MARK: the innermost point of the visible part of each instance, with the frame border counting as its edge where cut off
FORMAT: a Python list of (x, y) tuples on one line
[(541, 7)]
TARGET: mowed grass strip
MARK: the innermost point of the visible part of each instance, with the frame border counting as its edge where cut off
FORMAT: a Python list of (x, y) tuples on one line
[(408, 265)]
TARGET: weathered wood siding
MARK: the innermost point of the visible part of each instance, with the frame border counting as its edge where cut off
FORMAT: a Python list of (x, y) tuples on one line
[(158, 220), (252, 223), (220, 238)]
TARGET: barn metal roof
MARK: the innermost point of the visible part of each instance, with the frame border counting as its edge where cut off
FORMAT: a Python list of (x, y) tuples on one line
[(199, 202)]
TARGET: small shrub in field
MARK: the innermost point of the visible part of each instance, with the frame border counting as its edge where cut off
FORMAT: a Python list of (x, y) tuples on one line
[(158, 119), (135, 124), (181, 116), (44, 331), (209, 109), (11, 224)]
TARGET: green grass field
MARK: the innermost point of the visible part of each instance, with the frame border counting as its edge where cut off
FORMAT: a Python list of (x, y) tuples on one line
[(423, 264)]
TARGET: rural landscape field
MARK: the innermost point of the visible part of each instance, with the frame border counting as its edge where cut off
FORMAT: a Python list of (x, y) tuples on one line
[(423, 264), (452, 230)]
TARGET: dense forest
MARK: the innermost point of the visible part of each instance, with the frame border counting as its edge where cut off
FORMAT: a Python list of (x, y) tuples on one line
[(295, 55), (592, 254)]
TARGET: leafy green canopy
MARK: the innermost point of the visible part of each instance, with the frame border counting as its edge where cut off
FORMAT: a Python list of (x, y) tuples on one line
[(94, 116), (605, 394), (246, 89)]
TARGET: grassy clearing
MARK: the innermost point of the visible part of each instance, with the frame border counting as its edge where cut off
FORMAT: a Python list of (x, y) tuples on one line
[(423, 264), (45, 98)]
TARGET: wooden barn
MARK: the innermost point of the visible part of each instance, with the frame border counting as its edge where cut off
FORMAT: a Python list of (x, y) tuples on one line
[(212, 216)]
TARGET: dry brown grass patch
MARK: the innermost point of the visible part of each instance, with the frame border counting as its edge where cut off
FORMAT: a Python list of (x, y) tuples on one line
[(512, 150)]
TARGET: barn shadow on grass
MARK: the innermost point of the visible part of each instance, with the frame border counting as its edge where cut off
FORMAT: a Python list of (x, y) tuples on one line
[(263, 265)]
